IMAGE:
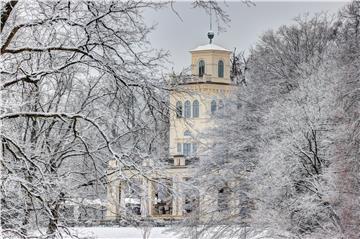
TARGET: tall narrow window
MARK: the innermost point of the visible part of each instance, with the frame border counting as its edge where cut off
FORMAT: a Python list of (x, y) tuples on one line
[(187, 149), (187, 109), (213, 106), (223, 198), (201, 68), (221, 104), (221, 69), (196, 109), (178, 109)]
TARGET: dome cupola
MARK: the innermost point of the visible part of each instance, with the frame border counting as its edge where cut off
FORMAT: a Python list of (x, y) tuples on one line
[(210, 62)]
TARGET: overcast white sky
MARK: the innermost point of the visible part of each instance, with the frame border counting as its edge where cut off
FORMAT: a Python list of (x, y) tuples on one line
[(247, 24)]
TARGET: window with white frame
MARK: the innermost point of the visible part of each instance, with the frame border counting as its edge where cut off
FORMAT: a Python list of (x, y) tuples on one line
[(187, 149), (221, 104), (213, 106), (201, 68), (179, 109), (187, 109), (195, 109), (221, 69)]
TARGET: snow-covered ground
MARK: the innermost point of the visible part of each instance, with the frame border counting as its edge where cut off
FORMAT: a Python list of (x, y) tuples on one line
[(136, 233), (121, 233)]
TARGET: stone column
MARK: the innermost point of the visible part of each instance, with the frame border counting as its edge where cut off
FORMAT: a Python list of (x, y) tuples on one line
[(175, 195), (180, 196), (150, 199), (121, 198), (113, 187), (145, 198)]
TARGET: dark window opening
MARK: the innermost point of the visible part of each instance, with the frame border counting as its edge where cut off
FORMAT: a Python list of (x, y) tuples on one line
[(162, 197), (187, 109), (221, 69), (178, 109), (223, 198), (187, 149), (201, 68), (213, 106), (196, 109)]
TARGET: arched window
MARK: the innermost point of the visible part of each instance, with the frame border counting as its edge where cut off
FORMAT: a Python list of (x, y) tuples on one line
[(201, 68), (213, 106), (187, 109), (221, 104), (196, 109), (179, 109), (221, 69), (187, 133), (223, 198)]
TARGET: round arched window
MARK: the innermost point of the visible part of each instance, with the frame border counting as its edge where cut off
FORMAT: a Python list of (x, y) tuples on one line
[(201, 68), (187, 109), (179, 109), (221, 69), (213, 106), (196, 109), (221, 104)]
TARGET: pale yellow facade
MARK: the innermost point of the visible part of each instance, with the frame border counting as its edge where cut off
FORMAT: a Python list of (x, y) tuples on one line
[(187, 143)]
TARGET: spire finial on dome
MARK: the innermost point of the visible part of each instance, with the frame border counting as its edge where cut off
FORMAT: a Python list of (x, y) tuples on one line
[(210, 34)]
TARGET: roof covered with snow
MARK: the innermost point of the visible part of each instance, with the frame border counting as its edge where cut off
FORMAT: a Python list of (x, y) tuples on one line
[(210, 47)]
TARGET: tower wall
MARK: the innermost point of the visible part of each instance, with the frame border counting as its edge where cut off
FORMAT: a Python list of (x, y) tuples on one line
[(211, 58)]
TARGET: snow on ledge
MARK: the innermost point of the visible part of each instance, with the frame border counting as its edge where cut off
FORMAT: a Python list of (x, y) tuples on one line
[(210, 47)]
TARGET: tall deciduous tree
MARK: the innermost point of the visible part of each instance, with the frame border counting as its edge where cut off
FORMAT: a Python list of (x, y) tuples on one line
[(79, 87), (293, 146)]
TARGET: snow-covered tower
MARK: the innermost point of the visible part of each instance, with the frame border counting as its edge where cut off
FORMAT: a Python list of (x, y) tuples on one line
[(195, 101)]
